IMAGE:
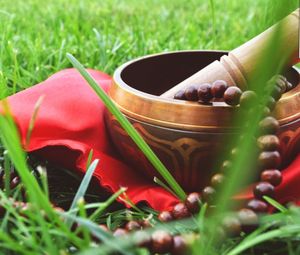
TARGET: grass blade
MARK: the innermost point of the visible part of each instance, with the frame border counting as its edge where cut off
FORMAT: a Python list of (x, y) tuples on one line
[(11, 140), (84, 184), (104, 205), (275, 204), (136, 137), (106, 237), (160, 183), (7, 167)]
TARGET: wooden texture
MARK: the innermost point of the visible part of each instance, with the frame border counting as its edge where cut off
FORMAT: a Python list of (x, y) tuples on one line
[(239, 66)]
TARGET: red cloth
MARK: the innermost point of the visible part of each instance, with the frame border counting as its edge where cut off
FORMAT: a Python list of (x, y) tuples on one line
[(70, 123)]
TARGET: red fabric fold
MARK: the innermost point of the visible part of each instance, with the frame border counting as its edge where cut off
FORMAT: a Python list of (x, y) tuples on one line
[(70, 123)]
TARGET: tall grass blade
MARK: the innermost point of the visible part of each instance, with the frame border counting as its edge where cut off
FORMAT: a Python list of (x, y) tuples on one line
[(84, 184), (10, 138), (7, 167), (136, 137), (275, 204), (106, 204)]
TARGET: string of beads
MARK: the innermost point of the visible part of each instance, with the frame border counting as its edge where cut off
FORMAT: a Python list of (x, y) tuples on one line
[(269, 160)]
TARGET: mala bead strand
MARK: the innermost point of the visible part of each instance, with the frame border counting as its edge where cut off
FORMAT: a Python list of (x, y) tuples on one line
[(245, 219), (269, 159)]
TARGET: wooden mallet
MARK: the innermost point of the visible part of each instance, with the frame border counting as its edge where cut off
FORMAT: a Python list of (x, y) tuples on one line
[(239, 66)]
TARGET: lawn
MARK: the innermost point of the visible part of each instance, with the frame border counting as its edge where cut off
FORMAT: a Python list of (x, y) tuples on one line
[(35, 37)]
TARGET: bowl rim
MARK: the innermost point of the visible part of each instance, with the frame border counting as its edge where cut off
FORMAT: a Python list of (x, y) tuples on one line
[(172, 113)]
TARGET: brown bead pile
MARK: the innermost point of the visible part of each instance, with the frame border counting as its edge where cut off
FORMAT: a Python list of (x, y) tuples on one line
[(206, 93), (269, 159)]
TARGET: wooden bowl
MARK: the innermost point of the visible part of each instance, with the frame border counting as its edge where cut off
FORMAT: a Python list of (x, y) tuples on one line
[(187, 137)]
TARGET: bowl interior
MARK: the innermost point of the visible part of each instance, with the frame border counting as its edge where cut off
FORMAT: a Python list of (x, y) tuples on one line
[(158, 73)]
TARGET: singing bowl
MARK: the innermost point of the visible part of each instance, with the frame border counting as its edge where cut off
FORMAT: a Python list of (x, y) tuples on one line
[(187, 137)]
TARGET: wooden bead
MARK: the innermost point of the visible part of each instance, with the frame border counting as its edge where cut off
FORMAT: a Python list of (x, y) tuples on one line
[(208, 194), (289, 86), (204, 93), (218, 88), (232, 226), (104, 227), (269, 125), (226, 165), (165, 216), (268, 142), (232, 95), (14, 182), (180, 95), (276, 92), (2, 211), (180, 211), (269, 159), (234, 152), (142, 239), (248, 99), (191, 93), (132, 225), (192, 202), (162, 242), (220, 234), (266, 111), (270, 103), (279, 77), (146, 224), (272, 176), (248, 219), (61, 210), (257, 206), (263, 189), (217, 180), (179, 246), (120, 232), (281, 84)]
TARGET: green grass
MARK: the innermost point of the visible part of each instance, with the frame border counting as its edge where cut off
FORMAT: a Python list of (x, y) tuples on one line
[(35, 36), (34, 40)]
